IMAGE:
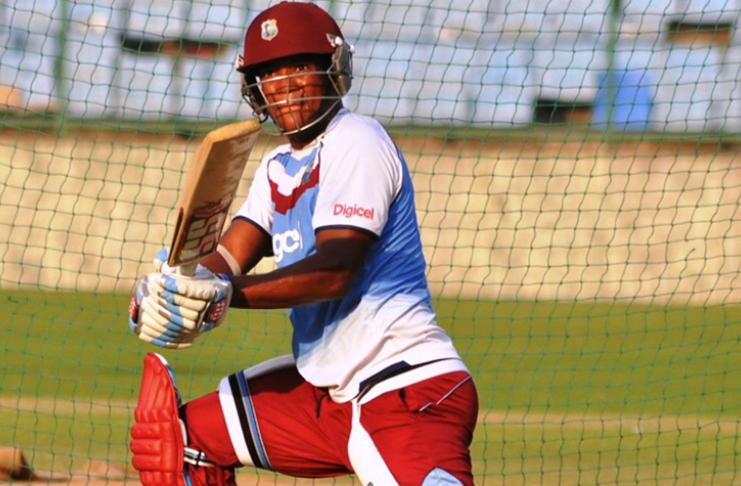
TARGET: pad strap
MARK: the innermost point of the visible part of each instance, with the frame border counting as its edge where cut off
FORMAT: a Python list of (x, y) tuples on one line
[(197, 458)]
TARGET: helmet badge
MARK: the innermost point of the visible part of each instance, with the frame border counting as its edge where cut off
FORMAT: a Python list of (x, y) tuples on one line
[(269, 29)]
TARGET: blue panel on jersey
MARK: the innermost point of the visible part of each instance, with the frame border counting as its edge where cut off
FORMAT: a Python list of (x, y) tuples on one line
[(395, 266)]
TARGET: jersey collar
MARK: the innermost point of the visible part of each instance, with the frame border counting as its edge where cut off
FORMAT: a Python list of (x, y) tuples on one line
[(305, 150)]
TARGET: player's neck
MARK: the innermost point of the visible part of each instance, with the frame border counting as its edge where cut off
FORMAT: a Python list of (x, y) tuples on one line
[(305, 137)]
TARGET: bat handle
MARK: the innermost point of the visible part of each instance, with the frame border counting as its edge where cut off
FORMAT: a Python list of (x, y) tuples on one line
[(189, 269)]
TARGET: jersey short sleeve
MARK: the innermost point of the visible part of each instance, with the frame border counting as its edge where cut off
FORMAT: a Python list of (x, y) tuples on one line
[(361, 174), (258, 207)]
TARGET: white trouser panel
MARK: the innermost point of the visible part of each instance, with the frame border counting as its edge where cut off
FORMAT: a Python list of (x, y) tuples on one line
[(229, 400), (367, 462)]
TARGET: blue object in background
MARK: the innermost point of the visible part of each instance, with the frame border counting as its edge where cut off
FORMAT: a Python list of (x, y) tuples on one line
[(633, 101)]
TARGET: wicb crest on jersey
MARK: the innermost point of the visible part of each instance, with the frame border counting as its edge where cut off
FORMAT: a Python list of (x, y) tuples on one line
[(307, 176), (309, 172), (269, 29)]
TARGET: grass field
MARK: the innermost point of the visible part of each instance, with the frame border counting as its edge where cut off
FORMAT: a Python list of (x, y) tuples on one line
[(570, 393)]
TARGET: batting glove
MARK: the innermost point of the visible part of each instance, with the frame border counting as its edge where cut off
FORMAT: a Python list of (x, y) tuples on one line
[(161, 266), (172, 310)]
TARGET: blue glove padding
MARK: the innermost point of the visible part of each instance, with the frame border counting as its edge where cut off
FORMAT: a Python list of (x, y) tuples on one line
[(171, 310)]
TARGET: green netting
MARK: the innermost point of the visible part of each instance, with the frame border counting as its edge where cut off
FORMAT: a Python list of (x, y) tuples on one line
[(577, 172)]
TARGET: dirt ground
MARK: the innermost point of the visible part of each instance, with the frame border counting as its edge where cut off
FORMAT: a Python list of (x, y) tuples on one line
[(16, 470)]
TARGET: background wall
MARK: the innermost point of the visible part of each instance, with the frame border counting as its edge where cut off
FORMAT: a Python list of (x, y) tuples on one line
[(576, 164), (629, 222)]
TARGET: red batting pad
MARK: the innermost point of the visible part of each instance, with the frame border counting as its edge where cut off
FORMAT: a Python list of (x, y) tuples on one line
[(157, 438)]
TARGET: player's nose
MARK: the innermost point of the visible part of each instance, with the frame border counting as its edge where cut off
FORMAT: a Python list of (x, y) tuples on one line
[(281, 84)]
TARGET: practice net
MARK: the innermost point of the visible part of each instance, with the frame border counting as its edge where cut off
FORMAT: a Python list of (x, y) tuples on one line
[(577, 175)]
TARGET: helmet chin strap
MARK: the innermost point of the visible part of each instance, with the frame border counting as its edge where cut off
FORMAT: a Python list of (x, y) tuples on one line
[(311, 124)]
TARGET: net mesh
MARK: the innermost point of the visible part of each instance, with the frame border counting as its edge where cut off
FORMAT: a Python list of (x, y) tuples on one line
[(577, 174)]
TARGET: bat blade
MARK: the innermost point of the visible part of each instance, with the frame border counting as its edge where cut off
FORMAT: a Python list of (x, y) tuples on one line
[(210, 186)]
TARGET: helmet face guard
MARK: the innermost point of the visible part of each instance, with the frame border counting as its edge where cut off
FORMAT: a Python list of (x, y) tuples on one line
[(338, 74), (287, 30)]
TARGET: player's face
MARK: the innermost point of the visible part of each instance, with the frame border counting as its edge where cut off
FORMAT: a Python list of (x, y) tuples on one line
[(295, 90)]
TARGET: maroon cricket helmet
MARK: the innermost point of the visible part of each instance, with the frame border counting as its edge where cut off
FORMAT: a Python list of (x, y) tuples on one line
[(289, 29), (292, 29)]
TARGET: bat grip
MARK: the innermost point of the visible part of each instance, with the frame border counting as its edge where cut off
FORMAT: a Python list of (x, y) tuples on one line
[(189, 269)]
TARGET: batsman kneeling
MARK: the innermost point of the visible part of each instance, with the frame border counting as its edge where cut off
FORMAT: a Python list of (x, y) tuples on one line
[(374, 386)]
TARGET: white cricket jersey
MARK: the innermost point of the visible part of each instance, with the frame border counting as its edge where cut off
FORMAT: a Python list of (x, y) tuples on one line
[(353, 176)]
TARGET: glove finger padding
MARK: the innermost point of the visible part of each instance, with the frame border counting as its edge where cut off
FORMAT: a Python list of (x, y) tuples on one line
[(151, 326), (170, 316), (157, 304), (155, 329), (177, 301), (153, 322), (180, 342), (209, 289), (171, 311), (209, 295)]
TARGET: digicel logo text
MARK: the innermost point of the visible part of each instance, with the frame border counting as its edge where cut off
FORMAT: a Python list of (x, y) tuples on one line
[(355, 210)]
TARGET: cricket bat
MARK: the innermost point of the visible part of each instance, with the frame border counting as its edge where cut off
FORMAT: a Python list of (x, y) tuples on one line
[(210, 186)]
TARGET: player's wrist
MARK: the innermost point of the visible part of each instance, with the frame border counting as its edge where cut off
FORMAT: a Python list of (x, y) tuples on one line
[(239, 285)]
